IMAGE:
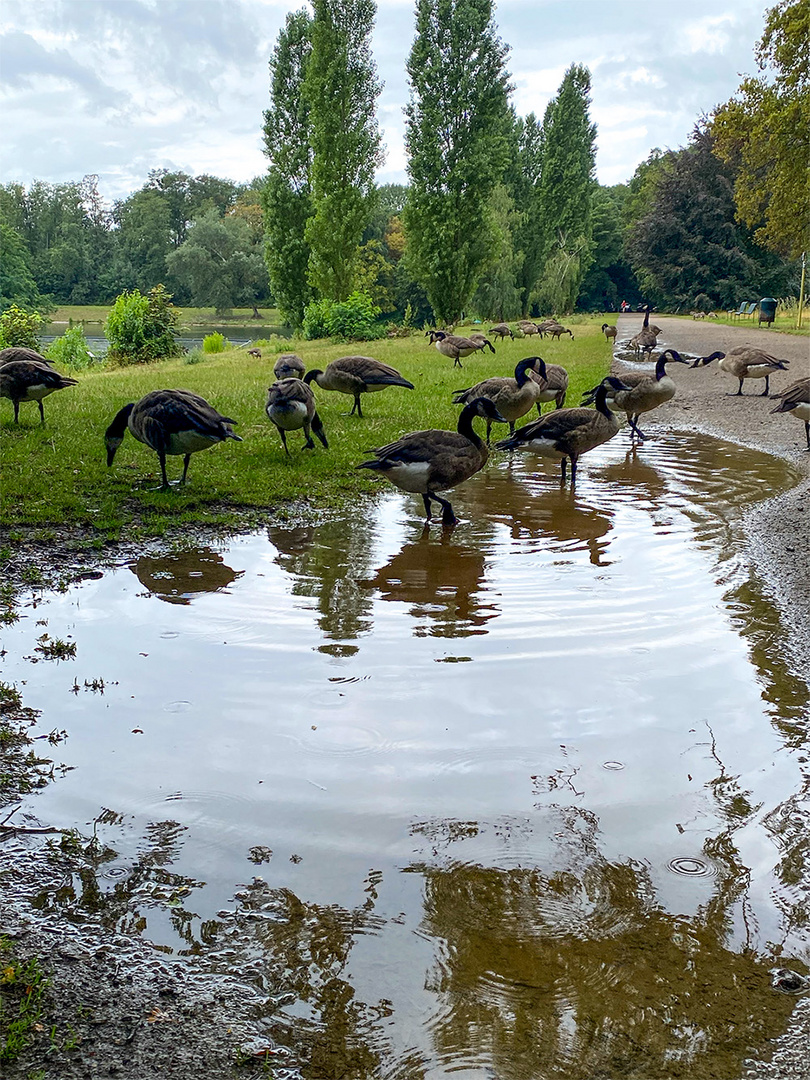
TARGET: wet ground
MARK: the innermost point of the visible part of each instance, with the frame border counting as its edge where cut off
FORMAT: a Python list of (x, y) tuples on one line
[(515, 801)]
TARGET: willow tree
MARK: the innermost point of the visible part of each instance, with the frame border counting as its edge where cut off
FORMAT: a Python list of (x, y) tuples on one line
[(341, 88), (567, 182), (457, 127), (287, 196)]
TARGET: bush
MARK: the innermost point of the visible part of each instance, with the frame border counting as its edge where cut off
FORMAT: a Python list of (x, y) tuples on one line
[(71, 348), (213, 343), (20, 328), (194, 356), (353, 319), (143, 328)]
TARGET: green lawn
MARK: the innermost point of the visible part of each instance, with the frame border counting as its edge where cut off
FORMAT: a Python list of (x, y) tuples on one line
[(784, 322), (57, 475)]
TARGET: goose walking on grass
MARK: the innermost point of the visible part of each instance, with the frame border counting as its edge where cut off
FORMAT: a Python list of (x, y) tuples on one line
[(356, 375), (567, 434), (291, 407), (646, 391), (171, 422), (796, 401), (289, 366), (746, 362), (29, 380), (502, 331), (610, 332), (457, 347), (426, 462), (512, 397)]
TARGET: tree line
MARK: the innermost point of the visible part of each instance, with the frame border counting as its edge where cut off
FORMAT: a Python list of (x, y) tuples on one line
[(501, 215)]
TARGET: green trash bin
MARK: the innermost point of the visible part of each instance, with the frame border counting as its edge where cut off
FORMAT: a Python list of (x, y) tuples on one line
[(767, 310)]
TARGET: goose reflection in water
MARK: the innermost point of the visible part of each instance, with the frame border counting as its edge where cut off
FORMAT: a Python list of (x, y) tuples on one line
[(178, 579), (442, 581)]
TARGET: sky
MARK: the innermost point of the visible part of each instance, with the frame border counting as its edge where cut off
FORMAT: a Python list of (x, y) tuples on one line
[(120, 87)]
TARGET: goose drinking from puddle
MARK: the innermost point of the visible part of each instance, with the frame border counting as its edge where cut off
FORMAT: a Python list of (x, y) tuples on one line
[(170, 422), (426, 462), (567, 434)]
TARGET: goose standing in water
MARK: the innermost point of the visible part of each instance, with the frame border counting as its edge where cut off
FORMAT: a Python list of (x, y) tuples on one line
[(796, 401), (647, 390), (356, 375), (426, 462), (512, 397), (30, 380), (291, 406), (567, 434), (746, 362), (170, 422)]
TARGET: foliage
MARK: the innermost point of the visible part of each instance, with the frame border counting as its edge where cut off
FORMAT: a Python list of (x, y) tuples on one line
[(341, 88), (286, 198), (214, 343), (764, 133), (610, 278), (457, 123), (498, 295), (22, 987), (18, 327), (566, 189), (71, 348), (141, 328), (17, 285), (688, 242), (219, 264), (352, 319), (523, 181)]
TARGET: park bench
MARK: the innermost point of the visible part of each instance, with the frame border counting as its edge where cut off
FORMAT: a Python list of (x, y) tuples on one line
[(744, 311)]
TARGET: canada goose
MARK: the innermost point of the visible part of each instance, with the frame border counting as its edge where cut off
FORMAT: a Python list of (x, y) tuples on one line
[(528, 328), (289, 366), (13, 353), (546, 326), (647, 338), (455, 347), (553, 382), (425, 462), (796, 401), (170, 422), (511, 397), (356, 375), (566, 434), (502, 331), (609, 331), (255, 353), (646, 391), (746, 362), (483, 341), (557, 331), (290, 406), (29, 380)]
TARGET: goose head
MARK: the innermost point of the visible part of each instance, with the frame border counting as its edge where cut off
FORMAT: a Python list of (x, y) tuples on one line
[(705, 360)]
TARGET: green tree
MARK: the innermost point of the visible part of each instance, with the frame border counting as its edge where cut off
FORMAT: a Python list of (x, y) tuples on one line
[(287, 194), (17, 285), (457, 124), (18, 327), (341, 88), (566, 188), (143, 328), (498, 295), (523, 179), (218, 264), (765, 133)]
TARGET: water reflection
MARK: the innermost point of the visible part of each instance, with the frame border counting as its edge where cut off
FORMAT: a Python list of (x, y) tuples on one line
[(441, 579), (177, 579)]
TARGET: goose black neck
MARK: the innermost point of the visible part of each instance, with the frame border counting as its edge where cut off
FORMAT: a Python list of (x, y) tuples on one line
[(538, 364), (118, 427), (310, 375), (646, 318), (522, 371), (600, 401), (465, 427)]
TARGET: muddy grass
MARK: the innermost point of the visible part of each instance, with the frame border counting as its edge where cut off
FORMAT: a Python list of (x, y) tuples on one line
[(114, 1006)]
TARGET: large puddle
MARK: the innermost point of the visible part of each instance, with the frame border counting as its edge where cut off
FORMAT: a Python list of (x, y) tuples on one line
[(518, 801)]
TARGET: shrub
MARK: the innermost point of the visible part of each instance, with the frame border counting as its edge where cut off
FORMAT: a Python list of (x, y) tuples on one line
[(194, 356), (18, 327), (353, 319), (71, 348), (213, 343), (142, 328)]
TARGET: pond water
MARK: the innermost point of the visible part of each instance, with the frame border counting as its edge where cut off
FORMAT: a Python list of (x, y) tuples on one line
[(515, 801), (190, 337)]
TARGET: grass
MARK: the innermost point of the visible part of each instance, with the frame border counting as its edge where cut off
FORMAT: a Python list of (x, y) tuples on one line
[(785, 321), (56, 475), (22, 986)]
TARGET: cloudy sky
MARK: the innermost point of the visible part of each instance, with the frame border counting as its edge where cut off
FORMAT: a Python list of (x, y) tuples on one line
[(119, 87)]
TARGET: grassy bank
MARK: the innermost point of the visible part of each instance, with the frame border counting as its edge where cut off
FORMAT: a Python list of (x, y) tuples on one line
[(56, 477), (785, 322)]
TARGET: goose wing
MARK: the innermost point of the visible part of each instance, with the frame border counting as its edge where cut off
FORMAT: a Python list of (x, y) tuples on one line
[(554, 426), (289, 390), (183, 410), (372, 372)]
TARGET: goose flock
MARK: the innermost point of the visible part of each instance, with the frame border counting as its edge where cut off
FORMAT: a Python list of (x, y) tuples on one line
[(181, 423)]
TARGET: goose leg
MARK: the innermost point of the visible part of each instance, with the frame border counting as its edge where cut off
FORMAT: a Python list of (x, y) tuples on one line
[(489, 429), (573, 469), (359, 409), (426, 501), (563, 465), (16, 412), (807, 432), (283, 435), (308, 443), (636, 428), (42, 411), (162, 459), (448, 517), (764, 393), (739, 392)]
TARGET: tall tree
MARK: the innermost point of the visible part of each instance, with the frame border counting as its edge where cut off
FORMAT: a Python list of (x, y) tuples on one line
[(567, 183), (287, 197), (341, 88), (457, 125), (765, 133), (523, 179)]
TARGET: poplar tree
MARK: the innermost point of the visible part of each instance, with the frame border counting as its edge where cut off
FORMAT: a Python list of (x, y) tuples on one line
[(341, 89), (567, 181), (287, 196), (457, 126)]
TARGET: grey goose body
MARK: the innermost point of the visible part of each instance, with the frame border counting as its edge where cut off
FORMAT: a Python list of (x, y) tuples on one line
[(356, 375), (290, 406)]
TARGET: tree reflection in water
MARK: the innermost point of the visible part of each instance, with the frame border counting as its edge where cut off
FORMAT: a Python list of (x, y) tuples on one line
[(177, 579)]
